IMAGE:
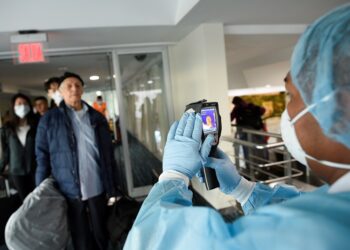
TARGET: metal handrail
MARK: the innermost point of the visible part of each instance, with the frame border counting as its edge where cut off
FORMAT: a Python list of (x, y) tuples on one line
[(253, 145), (278, 147), (262, 133), (257, 132)]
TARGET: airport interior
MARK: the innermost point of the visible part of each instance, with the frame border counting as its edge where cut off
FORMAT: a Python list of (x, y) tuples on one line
[(145, 61)]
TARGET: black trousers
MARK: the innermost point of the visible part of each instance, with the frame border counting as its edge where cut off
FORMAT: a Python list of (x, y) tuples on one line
[(24, 184), (88, 223)]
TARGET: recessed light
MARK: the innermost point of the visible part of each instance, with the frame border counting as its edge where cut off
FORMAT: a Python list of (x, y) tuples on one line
[(113, 76), (98, 93), (149, 81), (64, 68), (268, 86), (94, 78)]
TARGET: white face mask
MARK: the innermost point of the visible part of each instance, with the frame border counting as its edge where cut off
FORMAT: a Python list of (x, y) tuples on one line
[(292, 143), (56, 96), (21, 110)]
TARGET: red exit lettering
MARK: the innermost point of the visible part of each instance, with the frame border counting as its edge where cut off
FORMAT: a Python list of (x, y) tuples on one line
[(30, 53)]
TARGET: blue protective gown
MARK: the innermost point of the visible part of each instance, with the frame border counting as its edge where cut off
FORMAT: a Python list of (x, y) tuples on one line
[(315, 220)]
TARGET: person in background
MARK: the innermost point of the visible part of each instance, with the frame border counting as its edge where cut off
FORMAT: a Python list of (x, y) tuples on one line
[(18, 145), (249, 116), (100, 106), (316, 130), (41, 105), (73, 145), (51, 87), (6, 117)]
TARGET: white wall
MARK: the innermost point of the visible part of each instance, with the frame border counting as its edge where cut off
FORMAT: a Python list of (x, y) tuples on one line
[(257, 60), (271, 74), (198, 71)]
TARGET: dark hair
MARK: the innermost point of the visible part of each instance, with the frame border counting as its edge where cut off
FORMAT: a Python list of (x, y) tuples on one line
[(48, 83), (99, 98), (14, 120), (40, 98), (70, 74), (237, 100)]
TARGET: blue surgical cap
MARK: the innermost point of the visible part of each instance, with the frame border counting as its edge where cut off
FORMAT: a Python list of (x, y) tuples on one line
[(320, 70)]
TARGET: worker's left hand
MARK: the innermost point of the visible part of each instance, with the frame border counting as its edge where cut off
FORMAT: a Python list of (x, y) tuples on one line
[(225, 170), (183, 152)]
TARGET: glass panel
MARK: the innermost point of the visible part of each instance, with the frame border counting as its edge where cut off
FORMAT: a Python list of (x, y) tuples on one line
[(146, 117), (103, 97), (29, 79)]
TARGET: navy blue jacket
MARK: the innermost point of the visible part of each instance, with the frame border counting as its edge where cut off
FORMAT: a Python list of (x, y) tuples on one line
[(57, 154)]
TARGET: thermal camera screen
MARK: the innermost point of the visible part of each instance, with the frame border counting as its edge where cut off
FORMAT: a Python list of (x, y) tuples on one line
[(209, 120)]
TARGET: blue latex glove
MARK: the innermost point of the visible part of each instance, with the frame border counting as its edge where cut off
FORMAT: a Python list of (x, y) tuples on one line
[(226, 171), (183, 151)]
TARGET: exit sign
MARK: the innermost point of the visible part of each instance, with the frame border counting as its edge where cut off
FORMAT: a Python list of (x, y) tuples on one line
[(30, 53)]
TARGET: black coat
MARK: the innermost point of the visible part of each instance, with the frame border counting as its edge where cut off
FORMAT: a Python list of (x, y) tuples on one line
[(21, 159)]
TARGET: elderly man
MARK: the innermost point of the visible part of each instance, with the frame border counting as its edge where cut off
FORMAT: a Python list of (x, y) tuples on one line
[(316, 130), (73, 144)]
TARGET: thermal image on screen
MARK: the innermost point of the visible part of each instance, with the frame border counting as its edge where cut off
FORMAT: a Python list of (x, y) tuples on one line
[(209, 120)]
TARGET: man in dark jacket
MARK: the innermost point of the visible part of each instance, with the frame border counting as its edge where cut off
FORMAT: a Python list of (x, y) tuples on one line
[(73, 144), (249, 116)]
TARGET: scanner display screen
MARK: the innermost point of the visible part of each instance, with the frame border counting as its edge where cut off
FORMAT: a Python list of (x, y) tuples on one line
[(209, 120)]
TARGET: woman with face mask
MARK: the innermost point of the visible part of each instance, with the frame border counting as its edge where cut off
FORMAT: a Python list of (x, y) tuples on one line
[(17, 143), (316, 130)]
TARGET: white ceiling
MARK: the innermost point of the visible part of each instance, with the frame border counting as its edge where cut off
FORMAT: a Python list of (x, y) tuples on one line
[(83, 23), (86, 23), (66, 14), (243, 49)]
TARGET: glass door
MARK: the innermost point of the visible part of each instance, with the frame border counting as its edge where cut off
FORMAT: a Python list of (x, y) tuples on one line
[(141, 80)]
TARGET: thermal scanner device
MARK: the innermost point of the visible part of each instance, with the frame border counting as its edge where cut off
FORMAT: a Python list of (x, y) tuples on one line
[(211, 119)]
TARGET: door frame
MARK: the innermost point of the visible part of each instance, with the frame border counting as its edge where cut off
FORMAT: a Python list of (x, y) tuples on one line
[(143, 190), (115, 51)]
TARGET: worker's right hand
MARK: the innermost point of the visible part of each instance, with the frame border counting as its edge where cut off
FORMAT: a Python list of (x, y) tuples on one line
[(183, 152), (226, 171)]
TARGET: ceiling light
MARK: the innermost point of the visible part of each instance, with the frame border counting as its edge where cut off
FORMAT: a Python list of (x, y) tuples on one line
[(94, 78), (64, 68), (268, 86), (255, 91), (149, 81), (113, 76), (98, 93)]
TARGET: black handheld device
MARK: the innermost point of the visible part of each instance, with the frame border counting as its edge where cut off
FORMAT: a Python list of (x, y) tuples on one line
[(211, 119)]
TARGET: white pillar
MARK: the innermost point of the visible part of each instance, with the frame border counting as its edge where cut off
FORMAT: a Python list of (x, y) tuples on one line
[(199, 71)]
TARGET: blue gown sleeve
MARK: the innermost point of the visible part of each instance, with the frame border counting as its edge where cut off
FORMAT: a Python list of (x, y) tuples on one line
[(263, 195), (167, 220)]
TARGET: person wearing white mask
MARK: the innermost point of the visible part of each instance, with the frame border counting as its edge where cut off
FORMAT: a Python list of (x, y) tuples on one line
[(51, 86), (316, 130), (17, 139)]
